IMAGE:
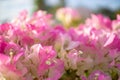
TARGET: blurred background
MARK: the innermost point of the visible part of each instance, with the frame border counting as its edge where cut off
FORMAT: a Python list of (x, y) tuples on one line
[(11, 8)]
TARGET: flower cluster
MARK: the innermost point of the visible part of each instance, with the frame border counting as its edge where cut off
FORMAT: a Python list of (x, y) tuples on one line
[(39, 48)]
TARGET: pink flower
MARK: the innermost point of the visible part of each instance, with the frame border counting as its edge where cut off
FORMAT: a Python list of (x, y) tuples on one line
[(31, 61), (23, 15), (98, 75), (73, 57), (12, 47), (8, 68), (46, 55), (83, 78), (56, 71), (22, 38), (4, 28), (116, 23), (67, 16), (3, 45), (40, 18), (27, 40), (64, 13), (113, 41), (99, 21)]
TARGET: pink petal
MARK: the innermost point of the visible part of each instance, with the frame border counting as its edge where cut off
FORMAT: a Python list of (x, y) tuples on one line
[(110, 40)]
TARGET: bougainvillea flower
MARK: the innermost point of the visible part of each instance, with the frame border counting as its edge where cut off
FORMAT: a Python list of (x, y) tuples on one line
[(8, 66), (98, 75), (46, 55)]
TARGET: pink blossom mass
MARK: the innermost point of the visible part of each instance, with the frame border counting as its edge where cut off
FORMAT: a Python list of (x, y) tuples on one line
[(41, 47)]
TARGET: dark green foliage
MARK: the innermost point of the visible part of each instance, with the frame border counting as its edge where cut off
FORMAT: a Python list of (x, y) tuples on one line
[(70, 75)]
